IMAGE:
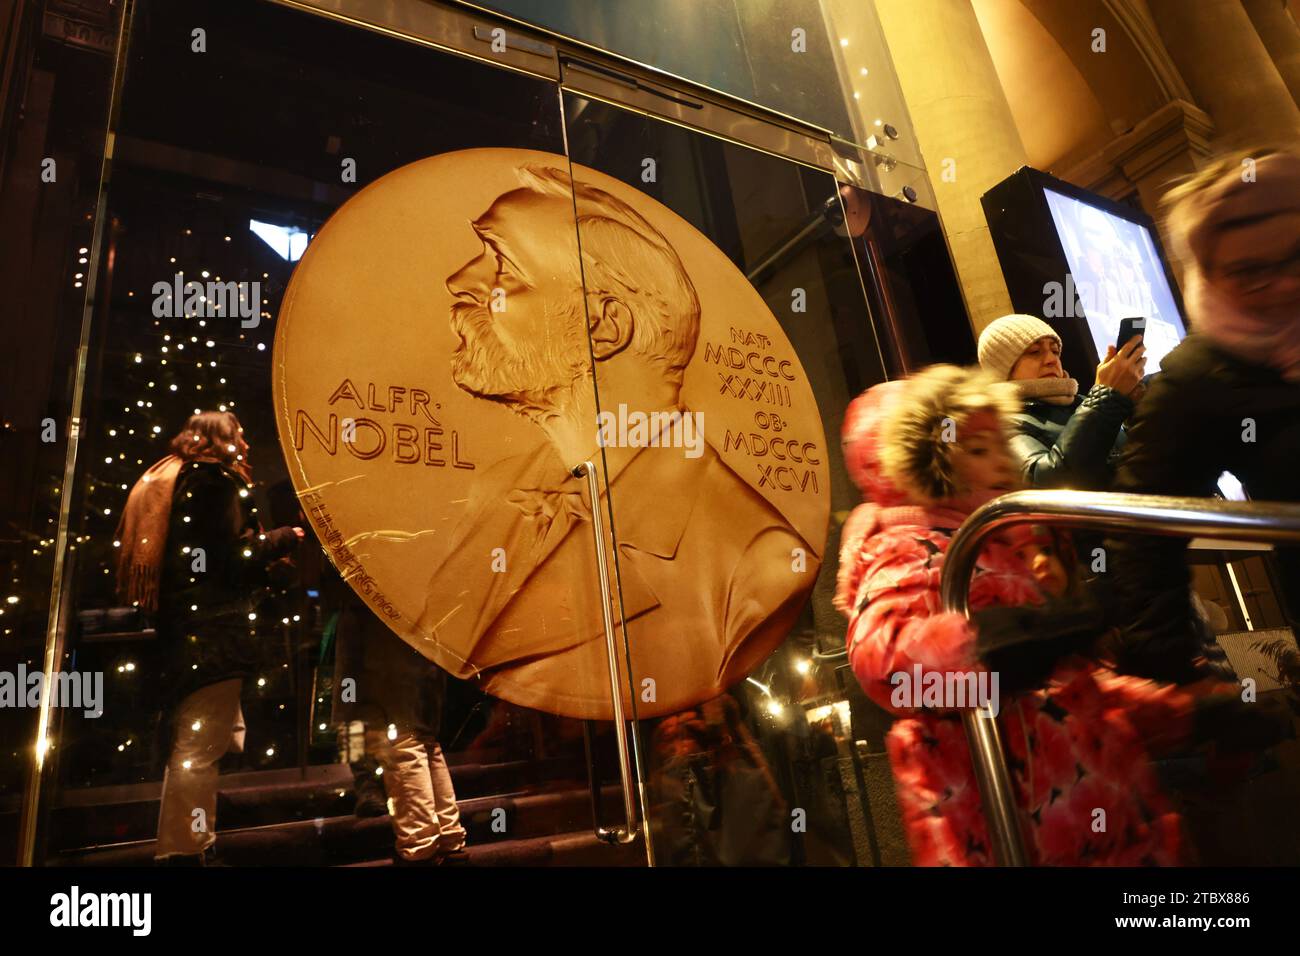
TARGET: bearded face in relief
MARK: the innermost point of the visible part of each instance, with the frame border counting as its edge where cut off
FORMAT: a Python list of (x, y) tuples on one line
[(531, 350)]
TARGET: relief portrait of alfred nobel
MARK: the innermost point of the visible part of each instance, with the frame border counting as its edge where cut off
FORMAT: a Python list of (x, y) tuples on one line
[(704, 560)]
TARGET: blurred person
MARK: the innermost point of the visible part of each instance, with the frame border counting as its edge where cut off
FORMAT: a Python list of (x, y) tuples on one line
[(714, 801), (193, 551), (1227, 398), (398, 695), (1047, 553), (1078, 737), (369, 798), (1062, 439)]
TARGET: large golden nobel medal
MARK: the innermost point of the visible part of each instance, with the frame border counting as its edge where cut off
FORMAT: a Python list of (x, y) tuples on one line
[(433, 378)]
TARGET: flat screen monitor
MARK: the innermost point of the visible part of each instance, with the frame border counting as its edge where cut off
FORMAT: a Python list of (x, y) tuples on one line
[(1083, 263), (1117, 273)]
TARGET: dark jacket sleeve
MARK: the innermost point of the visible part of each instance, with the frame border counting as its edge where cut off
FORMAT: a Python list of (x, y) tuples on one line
[(1078, 457), (267, 546), (1152, 588), (209, 499)]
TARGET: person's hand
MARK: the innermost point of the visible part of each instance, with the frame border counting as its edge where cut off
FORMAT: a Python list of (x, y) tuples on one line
[(1123, 370), (1108, 647), (299, 532)]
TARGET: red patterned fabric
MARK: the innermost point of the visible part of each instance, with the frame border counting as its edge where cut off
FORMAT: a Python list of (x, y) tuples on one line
[(1078, 748)]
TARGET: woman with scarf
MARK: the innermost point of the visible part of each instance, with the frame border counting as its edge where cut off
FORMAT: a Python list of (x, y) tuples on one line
[(193, 553), (1062, 439), (1227, 398)]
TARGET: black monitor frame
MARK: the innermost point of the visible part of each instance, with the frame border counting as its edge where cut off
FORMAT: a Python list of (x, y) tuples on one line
[(1031, 255)]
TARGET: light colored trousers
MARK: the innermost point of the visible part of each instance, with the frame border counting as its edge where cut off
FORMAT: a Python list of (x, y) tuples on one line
[(209, 724), (425, 817)]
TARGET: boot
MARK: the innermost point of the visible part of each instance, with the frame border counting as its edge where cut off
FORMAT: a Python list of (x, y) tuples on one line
[(371, 799)]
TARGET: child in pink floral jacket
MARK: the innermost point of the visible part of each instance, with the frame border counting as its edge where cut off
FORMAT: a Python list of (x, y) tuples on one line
[(926, 452)]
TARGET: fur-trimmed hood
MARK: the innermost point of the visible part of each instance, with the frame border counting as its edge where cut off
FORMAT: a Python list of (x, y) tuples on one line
[(894, 451), (894, 434)]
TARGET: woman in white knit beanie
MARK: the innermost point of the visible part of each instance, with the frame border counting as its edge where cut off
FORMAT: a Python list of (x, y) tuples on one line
[(1062, 439)]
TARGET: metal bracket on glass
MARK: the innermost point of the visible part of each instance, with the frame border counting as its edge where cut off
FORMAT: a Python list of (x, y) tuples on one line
[(515, 40), (628, 833), (627, 80)]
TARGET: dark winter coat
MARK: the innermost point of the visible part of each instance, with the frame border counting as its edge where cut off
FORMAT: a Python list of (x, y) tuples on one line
[(1207, 413), (1072, 446), (714, 801), (390, 681), (205, 599)]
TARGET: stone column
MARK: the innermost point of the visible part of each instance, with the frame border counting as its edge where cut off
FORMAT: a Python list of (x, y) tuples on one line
[(959, 113), (1277, 29), (1228, 70)]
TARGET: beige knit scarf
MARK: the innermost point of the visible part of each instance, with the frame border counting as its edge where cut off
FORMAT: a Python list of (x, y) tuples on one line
[(1054, 391), (143, 533)]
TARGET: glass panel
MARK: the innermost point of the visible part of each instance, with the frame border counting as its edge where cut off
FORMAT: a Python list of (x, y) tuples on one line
[(821, 61), (911, 285), (334, 329), (878, 116), (723, 520), (57, 80)]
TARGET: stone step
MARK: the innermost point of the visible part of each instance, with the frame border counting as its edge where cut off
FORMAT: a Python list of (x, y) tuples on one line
[(127, 814), (580, 848), (342, 839)]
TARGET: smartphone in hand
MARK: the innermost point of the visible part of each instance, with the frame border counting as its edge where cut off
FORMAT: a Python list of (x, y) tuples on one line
[(1128, 328)]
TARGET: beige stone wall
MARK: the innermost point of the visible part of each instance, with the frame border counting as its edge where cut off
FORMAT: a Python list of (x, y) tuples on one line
[(1223, 72), (1228, 69), (1275, 23), (965, 130)]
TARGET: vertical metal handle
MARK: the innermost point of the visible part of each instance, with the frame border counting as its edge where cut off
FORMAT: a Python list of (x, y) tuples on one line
[(1107, 511), (628, 833), (988, 759)]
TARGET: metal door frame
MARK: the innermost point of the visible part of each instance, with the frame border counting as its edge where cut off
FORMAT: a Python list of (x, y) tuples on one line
[(588, 71)]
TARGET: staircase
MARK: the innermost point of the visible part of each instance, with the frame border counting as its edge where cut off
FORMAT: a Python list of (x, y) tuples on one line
[(276, 818)]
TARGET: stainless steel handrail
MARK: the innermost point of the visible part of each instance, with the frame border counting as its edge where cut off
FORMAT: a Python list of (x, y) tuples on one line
[(628, 833), (1143, 514)]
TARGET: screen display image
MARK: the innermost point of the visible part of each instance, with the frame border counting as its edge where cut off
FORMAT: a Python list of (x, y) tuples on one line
[(1118, 274)]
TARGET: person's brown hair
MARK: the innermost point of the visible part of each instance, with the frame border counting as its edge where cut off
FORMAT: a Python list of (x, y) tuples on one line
[(214, 436)]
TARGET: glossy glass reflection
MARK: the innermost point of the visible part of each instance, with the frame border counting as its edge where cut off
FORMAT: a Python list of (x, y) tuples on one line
[(248, 694), (50, 161), (824, 62), (767, 772)]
